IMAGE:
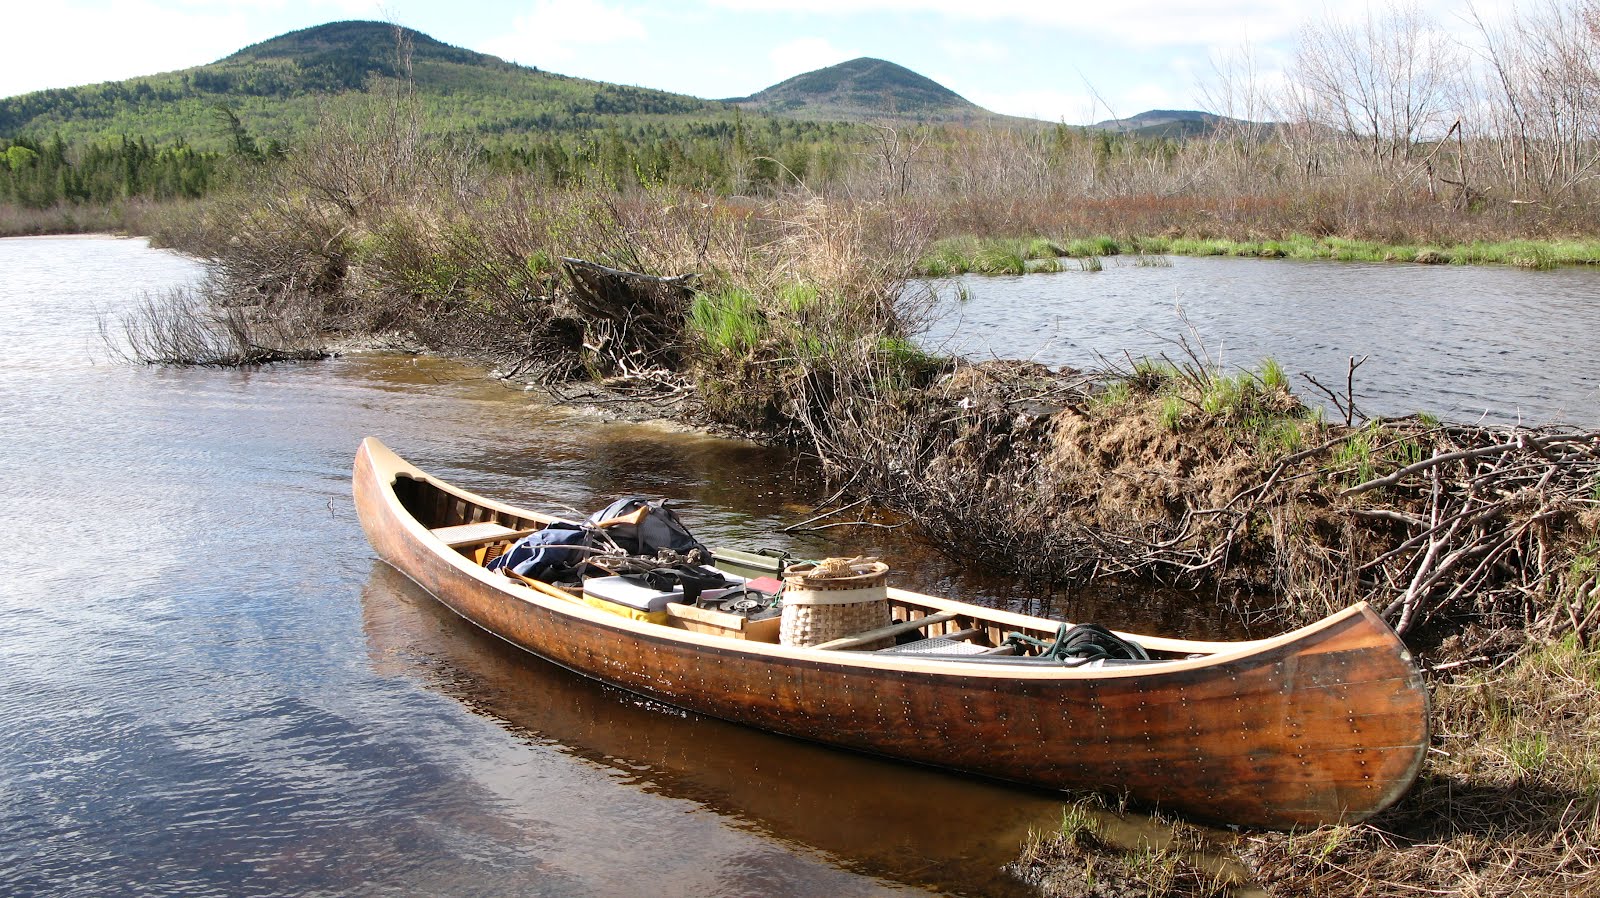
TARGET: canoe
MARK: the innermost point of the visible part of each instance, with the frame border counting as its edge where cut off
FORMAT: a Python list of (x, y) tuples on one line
[(1328, 723)]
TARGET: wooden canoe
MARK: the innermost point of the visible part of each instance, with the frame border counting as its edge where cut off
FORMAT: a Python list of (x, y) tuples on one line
[(1324, 724)]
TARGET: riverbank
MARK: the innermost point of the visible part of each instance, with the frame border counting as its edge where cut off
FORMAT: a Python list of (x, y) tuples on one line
[(987, 255), (1506, 807), (59, 221)]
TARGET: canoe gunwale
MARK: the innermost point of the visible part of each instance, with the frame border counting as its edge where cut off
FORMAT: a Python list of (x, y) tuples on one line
[(386, 470)]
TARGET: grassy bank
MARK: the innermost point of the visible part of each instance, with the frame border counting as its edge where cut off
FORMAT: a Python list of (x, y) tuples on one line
[(962, 255)]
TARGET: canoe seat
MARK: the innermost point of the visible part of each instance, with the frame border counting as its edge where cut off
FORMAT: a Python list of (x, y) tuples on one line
[(465, 536)]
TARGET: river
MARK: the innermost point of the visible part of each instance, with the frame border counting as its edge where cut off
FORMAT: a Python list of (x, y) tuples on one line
[(211, 687), (1465, 343)]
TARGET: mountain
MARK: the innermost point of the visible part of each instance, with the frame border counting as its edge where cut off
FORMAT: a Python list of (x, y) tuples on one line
[(278, 86), (1177, 123), (863, 89)]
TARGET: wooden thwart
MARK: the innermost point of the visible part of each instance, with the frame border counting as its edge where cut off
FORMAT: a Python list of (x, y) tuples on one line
[(465, 536), (845, 642)]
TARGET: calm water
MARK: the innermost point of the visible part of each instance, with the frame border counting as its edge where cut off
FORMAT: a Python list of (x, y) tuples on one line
[(212, 688), (1459, 342)]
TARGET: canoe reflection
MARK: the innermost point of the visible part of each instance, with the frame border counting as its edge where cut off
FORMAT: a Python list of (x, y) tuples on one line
[(875, 817)]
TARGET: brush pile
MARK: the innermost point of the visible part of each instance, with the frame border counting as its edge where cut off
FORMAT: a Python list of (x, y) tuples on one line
[(1148, 475)]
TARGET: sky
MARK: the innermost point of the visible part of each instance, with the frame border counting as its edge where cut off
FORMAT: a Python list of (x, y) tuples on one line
[(1058, 60)]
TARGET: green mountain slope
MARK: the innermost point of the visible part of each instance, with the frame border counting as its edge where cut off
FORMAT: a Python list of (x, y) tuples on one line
[(862, 89), (277, 86)]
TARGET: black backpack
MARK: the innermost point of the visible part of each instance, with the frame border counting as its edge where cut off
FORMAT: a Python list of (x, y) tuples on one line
[(641, 526)]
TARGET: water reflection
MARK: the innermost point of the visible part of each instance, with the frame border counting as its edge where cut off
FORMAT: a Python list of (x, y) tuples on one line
[(879, 818), (1457, 341)]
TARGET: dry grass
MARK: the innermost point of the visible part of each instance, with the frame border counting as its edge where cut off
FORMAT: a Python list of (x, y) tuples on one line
[(16, 221), (1099, 852), (373, 228), (1509, 804)]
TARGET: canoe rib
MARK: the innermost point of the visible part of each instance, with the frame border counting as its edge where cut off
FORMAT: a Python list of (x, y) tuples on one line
[(1324, 724)]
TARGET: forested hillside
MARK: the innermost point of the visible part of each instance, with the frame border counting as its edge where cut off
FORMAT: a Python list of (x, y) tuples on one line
[(278, 88)]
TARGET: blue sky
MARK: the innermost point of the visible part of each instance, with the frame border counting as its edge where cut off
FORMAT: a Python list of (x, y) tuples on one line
[(1052, 59)]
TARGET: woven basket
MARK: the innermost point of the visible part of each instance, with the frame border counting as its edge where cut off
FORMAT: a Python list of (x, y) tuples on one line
[(834, 598)]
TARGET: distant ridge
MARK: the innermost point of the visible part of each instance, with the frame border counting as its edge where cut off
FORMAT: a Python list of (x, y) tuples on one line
[(865, 88), (1176, 123)]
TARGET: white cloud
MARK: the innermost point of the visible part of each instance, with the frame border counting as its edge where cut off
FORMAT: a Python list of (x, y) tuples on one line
[(974, 50), (805, 54), (1133, 22), (65, 45), (556, 30)]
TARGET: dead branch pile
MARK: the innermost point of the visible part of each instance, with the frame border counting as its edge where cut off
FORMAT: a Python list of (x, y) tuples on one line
[(1496, 507), (195, 327), (1032, 471), (633, 323)]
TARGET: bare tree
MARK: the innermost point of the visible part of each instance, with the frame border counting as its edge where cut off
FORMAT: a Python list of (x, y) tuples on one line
[(896, 149), (1380, 81), (1236, 91), (1542, 90)]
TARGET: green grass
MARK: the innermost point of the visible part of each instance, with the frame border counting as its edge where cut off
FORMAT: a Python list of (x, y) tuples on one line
[(946, 260), (1272, 375), (1042, 248), (1359, 454), (1172, 410), (798, 297), (1257, 406), (908, 365), (1093, 246), (1528, 753), (729, 321), (1112, 395), (959, 255), (1276, 437), (999, 257)]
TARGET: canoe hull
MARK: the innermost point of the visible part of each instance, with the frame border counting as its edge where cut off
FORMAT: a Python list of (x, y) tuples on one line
[(1326, 726)]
